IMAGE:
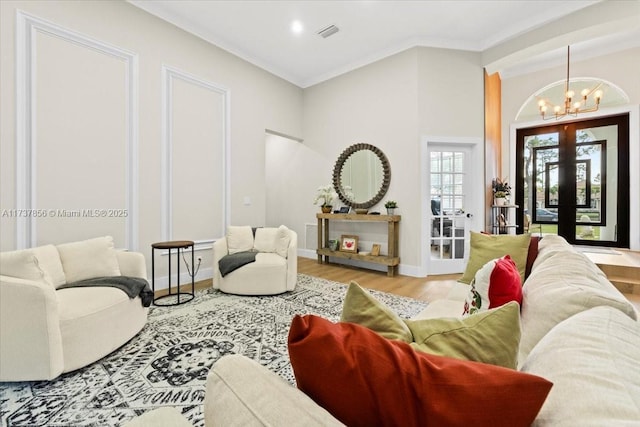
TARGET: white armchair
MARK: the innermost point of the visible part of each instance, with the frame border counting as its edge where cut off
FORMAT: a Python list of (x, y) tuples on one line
[(275, 269), (45, 331)]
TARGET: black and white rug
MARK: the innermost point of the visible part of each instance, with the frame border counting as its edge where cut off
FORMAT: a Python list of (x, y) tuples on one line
[(167, 363)]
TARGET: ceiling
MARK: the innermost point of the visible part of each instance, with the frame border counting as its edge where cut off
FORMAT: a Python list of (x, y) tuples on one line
[(260, 31)]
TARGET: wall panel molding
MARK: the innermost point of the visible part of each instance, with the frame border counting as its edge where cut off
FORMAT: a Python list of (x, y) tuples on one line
[(169, 76), (27, 27)]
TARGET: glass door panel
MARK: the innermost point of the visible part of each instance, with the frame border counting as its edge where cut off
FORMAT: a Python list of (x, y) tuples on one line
[(541, 184), (596, 184), (448, 228)]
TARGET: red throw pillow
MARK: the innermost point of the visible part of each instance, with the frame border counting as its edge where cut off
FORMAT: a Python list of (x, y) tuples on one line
[(364, 379), (495, 284)]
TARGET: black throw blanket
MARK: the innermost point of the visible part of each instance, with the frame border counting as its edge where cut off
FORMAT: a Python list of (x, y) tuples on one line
[(232, 262), (132, 286)]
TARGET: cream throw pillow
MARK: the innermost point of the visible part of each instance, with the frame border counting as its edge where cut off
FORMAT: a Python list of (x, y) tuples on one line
[(88, 259), (49, 261), (266, 239), (239, 238), (20, 264), (282, 241)]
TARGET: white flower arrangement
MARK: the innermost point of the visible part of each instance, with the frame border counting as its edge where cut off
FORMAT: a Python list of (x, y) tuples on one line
[(326, 194)]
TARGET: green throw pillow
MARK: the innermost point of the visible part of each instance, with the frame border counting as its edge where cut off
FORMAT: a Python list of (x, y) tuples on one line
[(490, 336), (361, 308), (485, 247)]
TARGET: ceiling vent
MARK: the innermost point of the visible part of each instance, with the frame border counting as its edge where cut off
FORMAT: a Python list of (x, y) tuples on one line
[(328, 31)]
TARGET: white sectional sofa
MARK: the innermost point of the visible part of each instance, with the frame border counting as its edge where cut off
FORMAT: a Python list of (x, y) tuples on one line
[(578, 331), (46, 331)]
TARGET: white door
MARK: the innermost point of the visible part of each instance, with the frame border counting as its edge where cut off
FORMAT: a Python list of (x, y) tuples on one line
[(453, 205)]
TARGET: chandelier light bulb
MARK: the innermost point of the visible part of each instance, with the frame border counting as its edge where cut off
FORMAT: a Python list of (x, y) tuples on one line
[(570, 94), (541, 103), (576, 105), (584, 93), (598, 95), (556, 109)]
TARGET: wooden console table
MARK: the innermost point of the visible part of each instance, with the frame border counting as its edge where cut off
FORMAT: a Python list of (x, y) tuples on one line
[(391, 260)]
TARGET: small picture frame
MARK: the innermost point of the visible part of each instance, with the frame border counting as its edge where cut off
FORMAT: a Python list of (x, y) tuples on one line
[(349, 244), (375, 249), (344, 210)]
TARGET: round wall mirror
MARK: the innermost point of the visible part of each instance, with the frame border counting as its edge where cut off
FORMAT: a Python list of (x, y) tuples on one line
[(361, 176)]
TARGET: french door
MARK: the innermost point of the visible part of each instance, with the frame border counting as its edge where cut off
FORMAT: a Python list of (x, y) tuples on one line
[(573, 180), (451, 204)]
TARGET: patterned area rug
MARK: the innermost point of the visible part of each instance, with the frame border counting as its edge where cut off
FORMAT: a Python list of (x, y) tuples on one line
[(167, 363)]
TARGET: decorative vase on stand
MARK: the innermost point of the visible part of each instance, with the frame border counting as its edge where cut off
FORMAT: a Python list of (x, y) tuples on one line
[(326, 209), (501, 201)]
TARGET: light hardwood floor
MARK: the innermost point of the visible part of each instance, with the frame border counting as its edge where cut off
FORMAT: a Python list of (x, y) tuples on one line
[(427, 289), (423, 288)]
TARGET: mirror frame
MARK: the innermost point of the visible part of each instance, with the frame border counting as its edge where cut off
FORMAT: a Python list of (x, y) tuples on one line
[(337, 175)]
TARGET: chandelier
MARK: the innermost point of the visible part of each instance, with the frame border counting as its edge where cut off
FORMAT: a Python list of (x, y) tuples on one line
[(571, 107)]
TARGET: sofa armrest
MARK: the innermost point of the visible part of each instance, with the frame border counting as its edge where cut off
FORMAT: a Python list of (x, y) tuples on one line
[(132, 264), (241, 392), (30, 338), (220, 249)]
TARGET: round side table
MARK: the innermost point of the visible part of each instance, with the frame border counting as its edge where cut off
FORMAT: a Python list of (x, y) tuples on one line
[(177, 245)]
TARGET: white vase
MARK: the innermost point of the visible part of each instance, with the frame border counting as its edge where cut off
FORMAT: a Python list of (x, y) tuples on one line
[(501, 201)]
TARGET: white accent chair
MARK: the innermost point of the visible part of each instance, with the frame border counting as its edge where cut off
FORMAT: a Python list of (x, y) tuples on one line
[(46, 331), (275, 269)]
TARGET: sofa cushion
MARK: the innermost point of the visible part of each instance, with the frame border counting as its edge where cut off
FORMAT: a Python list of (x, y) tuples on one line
[(364, 379), (282, 241), (266, 276), (589, 357), (239, 238), (241, 392), (88, 259), (485, 247), (495, 284), (362, 308), (265, 240), (94, 321), (490, 336), (21, 264), (563, 283)]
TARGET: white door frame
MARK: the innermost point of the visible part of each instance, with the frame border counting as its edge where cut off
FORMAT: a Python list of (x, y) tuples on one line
[(475, 185)]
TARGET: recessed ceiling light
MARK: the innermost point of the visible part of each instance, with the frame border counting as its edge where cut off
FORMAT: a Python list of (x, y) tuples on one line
[(296, 27)]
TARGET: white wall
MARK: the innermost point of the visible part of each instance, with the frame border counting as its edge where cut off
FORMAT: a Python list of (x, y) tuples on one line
[(388, 104), (258, 100)]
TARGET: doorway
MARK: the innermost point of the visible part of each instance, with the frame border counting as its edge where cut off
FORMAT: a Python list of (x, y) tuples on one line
[(573, 181), (452, 203)]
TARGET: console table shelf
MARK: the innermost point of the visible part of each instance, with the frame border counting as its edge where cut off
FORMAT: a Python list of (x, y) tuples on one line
[(391, 260)]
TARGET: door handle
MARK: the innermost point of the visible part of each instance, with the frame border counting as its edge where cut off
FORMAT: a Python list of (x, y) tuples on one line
[(469, 215)]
